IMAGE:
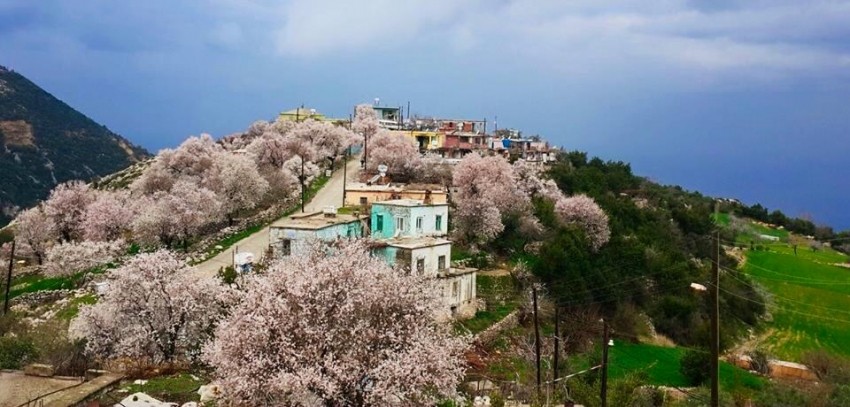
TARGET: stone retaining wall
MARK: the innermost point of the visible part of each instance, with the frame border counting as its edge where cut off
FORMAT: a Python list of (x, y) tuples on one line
[(488, 335)]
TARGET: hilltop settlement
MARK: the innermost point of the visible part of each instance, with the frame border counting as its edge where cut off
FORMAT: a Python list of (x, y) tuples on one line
[(392, 259)]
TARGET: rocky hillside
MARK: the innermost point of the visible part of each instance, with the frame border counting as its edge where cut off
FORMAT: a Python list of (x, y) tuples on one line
[(45, 142)]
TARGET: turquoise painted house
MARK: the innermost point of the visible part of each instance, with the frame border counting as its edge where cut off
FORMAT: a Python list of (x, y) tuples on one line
[(410, 234), (408, 218)]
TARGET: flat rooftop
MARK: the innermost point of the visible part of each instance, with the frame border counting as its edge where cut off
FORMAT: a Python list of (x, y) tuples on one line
[(416, 242), (315, 221), (362, 186), (407, 203)]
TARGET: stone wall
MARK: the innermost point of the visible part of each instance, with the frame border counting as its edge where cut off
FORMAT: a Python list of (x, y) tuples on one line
[(488, 335)]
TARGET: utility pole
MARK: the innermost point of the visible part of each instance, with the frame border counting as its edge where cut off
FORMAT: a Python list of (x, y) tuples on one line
[(557, 346), (9, 278), (604, 387), (345, 166), (302, 184), (536, 336), (715, 319)]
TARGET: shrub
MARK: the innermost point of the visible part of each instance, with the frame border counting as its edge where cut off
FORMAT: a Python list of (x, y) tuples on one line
[(828, 367), (695, 366), (759, 361), (15, 352)]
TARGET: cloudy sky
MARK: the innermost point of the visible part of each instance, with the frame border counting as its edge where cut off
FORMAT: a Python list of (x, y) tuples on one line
[(748, 99)]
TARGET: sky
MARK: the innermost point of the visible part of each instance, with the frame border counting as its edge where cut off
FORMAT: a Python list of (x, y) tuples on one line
[(745, 99)]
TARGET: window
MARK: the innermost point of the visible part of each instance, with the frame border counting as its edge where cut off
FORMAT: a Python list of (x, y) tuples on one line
[(285, 247), (399, 224), (379, 223), (441, 262), (419, 223), (364, 201), (439, 223), (420, 266)]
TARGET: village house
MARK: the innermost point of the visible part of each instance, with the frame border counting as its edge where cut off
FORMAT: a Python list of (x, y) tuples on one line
[(364, 194), (293, 236), (411, 234)]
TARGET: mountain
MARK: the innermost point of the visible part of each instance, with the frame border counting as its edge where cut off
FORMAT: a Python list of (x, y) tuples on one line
[(45, 142)]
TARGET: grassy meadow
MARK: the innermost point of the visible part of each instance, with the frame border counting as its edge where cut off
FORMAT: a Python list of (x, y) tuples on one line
[(808, 294)]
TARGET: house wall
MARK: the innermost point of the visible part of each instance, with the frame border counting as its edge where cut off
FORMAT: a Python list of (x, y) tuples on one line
[(409, 214), (352, 197), (409, 257), (459, 294), (300, 239)]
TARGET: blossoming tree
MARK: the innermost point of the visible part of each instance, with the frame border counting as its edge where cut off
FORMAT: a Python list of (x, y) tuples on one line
[(398, 152), (582, 211), (338, 327), (153, 310)]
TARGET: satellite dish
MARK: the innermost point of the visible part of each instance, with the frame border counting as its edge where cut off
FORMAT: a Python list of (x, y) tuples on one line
[(377, 100), (312, 111), (383, 169)]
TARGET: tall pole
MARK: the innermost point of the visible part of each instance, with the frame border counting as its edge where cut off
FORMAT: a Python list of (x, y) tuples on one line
[(9, 278), (715, 325), (536, 336), (603, 394), (557, 345), (345, 173), (302, 184)]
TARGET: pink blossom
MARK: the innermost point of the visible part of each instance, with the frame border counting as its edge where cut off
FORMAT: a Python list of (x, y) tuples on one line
[(66, 206), (365, 120), (69, 258), (108, 217), (484, 183), (153, 310), (35, 231), (176, 216), (237, 183), (337, 327), (398, 152), (582, 211)]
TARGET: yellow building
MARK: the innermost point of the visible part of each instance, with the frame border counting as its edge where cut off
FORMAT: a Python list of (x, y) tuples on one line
[(427, 140)]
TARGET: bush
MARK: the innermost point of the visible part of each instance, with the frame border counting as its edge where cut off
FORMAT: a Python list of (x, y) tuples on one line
[(759, 361), (15, 352), (695, 366), (828, 367)]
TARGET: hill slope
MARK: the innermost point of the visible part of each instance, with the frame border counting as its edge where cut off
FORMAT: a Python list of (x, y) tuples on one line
[(45, 142)]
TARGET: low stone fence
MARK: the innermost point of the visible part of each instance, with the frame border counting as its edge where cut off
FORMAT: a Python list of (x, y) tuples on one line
[(488, 335), (779, 369)]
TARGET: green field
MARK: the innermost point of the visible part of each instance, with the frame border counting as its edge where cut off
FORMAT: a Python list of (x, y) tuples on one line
[(809, 299), (661, 364)]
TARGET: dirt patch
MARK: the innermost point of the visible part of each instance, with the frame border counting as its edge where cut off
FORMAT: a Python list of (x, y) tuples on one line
[(17, 133), (494, 272)]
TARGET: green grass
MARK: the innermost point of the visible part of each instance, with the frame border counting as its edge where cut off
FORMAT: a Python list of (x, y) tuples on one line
[(501, 298), (661, 365), (174, 388), (810, 300), (31, 283), (721, 219), (73, 308)]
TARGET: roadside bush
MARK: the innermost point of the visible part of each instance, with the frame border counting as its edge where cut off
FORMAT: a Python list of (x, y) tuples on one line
[(15, 352), (759, 361), (828, 367), (695, 366), (55, 348)]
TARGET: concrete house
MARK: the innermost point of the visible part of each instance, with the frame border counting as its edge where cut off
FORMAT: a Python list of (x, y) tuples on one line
[(401, 218), (412, 234), (292, 236), (364, 195)]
